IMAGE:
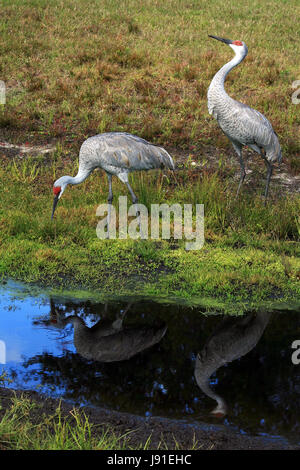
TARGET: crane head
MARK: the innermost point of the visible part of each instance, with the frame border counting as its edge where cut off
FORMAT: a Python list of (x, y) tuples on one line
[(237, 46), (58, 189), (56, 192)]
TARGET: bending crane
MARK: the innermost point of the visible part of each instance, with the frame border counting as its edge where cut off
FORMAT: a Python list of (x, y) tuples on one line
[(117, 153)]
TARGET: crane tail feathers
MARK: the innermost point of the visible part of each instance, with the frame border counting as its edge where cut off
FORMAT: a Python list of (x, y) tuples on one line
[(167, 160)]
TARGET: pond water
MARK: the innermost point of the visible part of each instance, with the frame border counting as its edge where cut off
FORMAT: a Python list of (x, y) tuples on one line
[(155, 359)]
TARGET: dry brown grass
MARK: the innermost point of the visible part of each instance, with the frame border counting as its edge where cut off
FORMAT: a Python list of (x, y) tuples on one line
[(93, 66)]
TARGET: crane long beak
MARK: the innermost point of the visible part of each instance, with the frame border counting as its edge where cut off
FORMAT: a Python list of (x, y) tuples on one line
[(227, 41), (55, 201)]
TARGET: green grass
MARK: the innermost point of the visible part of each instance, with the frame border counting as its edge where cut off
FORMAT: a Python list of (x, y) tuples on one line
[(27, 424), (23, 427), (76, 68), (250, 254), (52, 432), (58, 431)]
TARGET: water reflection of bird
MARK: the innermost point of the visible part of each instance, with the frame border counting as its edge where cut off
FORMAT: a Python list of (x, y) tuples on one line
[(109, 340), (232, 339)]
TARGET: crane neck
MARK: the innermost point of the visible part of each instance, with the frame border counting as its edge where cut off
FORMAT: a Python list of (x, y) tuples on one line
[(217, 82), (77, 322), (203, 383), (79, 178), (202, 372)]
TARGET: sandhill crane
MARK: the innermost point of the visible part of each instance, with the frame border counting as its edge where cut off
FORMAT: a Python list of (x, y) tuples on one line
[(109, 341), (240, 123), (117, 153), (232, 339)]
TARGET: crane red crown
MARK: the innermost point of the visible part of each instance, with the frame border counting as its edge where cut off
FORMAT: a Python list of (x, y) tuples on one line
[(56, 190), (237, 43)]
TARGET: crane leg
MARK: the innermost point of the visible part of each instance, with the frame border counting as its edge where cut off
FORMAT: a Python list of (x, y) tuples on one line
[(109, 200), (238, 149), (269, 174), (133, 196), (135, 201), (110, 193)]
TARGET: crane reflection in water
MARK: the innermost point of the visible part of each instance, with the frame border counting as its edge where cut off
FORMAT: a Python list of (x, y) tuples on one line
[(109, 340)]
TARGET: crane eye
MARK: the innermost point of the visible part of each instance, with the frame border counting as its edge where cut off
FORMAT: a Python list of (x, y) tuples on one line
[(56, 190)]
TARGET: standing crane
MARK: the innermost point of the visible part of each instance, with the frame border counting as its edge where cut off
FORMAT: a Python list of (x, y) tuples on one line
[(240, 123), (117, 153)]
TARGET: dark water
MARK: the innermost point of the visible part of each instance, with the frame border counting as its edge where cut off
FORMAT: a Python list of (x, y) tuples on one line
[(141, 357)]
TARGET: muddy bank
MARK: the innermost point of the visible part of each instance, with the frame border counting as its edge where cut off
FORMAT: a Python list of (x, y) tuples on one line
[(169, 432)]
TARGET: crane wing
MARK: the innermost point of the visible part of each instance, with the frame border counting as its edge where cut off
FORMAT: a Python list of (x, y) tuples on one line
[(119, 150), (257, 129)]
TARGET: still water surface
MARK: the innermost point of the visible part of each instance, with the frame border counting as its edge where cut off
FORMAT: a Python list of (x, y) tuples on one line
[(155, 360)]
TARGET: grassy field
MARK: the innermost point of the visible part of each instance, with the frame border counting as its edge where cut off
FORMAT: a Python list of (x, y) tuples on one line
[(77, 68), (250, 254), (55, 432), (24, 427)]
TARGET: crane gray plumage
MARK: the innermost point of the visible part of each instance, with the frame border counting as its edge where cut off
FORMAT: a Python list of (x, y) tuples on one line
[(117, 153), (240, 123), (109, 341), (232, 339)]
